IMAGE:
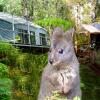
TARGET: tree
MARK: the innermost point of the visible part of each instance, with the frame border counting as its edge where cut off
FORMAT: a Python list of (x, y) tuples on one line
[(82, 11), (11, 6), (97, 10), (35, 9), (51, 23)]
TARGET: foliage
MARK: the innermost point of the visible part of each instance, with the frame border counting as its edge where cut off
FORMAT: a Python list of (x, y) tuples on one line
[(98, 10), (35, 9), (26, 68), (81, 39), (50, 23), (5, 83), (11, 6), (3, 70), (76, 1), (8, 54), (82, 11), (57, 96), (26, 75)]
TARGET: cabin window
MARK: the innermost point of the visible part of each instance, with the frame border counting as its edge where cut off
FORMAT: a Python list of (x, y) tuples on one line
[(32, 37), (42, 39), (95, 41), (24, 36)]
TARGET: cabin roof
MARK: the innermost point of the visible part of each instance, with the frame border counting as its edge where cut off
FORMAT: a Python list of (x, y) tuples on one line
[(96, 25), (91, 28), (18, 20)]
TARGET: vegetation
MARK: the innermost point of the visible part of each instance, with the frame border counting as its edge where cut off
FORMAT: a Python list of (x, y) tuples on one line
[(20, 72), (50, 23), (8, 54), (56, 96), (5, 83), (90, 83), (35, 9), (26, 73)]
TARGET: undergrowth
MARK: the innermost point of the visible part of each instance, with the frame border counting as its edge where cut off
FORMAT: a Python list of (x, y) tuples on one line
[(25, 69)]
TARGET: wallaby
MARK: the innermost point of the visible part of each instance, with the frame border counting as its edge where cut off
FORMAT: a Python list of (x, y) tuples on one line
[(62, 71)]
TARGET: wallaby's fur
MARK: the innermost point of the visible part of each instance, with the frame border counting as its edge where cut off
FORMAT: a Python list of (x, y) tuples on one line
[(62, 71)]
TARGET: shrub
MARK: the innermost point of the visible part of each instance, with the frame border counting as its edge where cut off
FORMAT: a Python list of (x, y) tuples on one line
[(5, 83), (8, 53), (3, 70)]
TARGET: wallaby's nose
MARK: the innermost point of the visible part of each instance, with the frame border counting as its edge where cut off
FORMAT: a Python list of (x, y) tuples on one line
[(51, 61)]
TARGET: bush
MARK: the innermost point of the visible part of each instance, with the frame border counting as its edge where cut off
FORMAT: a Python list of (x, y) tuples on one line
[(8, 53), (3, 70), (31, 67), (5, 83)]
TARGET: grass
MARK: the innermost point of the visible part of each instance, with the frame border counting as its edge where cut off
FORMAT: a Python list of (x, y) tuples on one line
[(28, 74)]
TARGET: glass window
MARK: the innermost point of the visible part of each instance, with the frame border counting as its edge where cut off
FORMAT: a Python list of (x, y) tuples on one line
[(24, 36), (42, 39), (32, 37)]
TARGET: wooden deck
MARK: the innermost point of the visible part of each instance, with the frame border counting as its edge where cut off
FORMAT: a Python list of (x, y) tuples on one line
[(32, 48), (29, 45)]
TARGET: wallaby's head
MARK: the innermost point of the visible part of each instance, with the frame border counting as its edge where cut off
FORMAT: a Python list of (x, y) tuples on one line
[(61, 49)]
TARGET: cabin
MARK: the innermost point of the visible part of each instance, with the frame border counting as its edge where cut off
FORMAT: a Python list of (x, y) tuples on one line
[(21, 32), (93, 31)]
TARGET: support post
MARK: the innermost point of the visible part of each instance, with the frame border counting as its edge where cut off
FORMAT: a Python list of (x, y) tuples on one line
[(13, 28), (29, 31)]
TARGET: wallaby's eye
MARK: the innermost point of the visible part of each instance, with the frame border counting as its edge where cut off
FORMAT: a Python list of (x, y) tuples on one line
[(61, 51)]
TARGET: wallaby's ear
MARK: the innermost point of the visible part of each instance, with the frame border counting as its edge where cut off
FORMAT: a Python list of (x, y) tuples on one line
[(57, 31), (69, 34), (57, 34)]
